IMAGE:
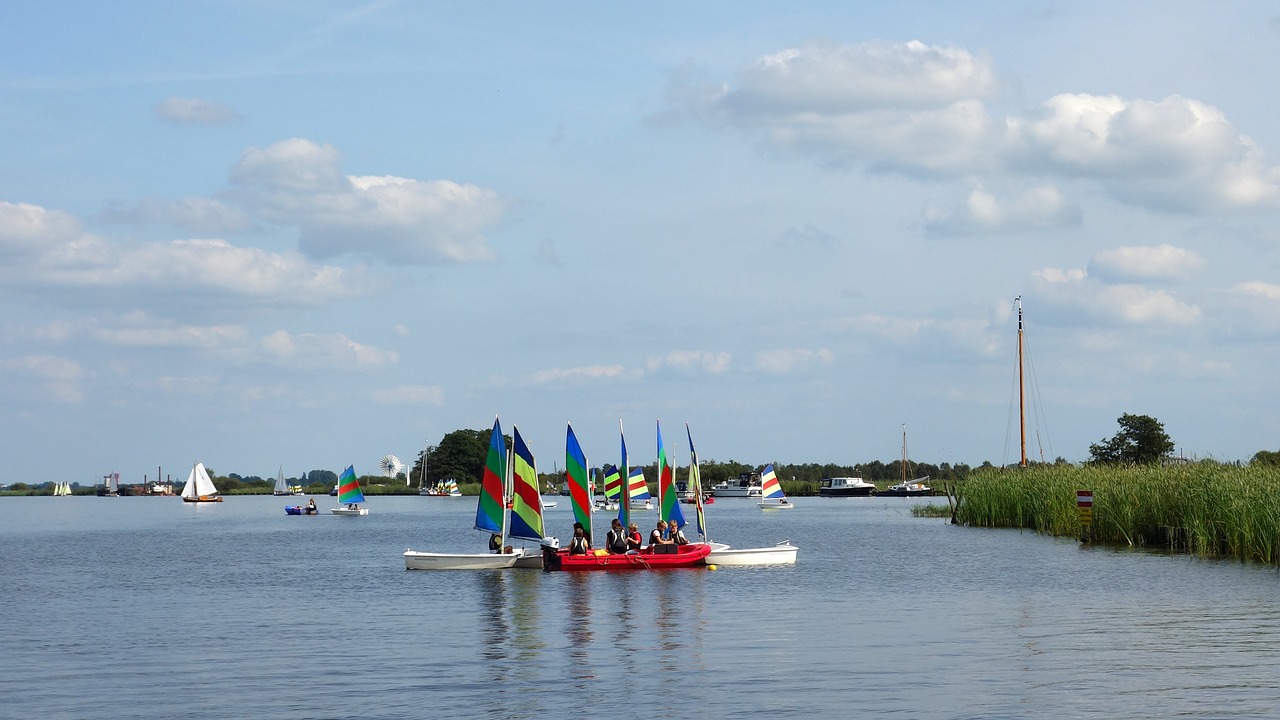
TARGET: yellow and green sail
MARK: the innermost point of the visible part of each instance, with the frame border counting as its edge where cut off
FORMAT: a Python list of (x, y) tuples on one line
[(526, 501)]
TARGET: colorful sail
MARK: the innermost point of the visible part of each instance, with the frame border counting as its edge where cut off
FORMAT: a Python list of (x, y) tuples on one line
[(526, 501), (349, 487), (695, 486), (637, 487), (670, 504), (769, 486), (575, 475), (489, 510), (612, 483), (624, 505)]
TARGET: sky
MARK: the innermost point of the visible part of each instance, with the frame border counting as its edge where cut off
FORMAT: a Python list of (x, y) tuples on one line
[(305, 235)]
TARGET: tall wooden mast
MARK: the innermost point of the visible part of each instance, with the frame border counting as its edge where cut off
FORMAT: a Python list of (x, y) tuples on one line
[(1022, 400)]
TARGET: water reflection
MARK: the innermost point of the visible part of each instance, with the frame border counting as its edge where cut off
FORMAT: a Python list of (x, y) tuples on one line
[(580, 633)]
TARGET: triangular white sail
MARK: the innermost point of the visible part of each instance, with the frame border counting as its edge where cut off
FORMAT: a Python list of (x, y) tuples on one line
[(199, 484)]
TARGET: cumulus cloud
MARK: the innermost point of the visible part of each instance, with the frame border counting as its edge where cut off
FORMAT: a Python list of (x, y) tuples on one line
[(921, 110), (194, 111), (788, 360), (1073, 296), (927, 338), (174, 335), (908, 106), (983, 212), (301, 183), (66, 264), (1145, 264), (410, 395), (1176, 153)]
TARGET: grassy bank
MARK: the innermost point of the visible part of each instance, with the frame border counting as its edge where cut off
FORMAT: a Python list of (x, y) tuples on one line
[(1205, 508)]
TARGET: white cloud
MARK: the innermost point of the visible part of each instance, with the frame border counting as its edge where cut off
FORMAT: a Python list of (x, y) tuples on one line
[(30, 229), (1073, 294), (1144, 264), (590, 372), (410, 395), (390, 218), (1257, 289), (170, 335), (55, 378), (701, 361), (907, 106), (324, 351), (194, 215), (1042, 206), (194, 111), (788, 360), (68, 265), (1176, 154)]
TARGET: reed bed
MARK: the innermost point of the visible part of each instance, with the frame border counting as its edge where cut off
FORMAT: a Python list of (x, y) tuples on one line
[(1205, 508)]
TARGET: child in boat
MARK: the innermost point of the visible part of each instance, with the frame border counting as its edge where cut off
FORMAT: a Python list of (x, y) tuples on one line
[(616, 540), (579, 545), (676, 535), (659, 542), (634, 541)]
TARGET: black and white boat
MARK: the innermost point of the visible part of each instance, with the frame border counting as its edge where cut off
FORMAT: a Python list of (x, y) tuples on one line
[(845, 487)]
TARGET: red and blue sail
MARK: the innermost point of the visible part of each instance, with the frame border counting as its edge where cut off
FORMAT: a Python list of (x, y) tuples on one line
[(670, 504), (769, 486), (526, 501), (575, 473), (489, 508), (349, 487)]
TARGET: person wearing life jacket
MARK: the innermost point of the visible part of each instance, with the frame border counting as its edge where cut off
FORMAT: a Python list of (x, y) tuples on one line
[(579, 545), (634, 541), (616, 539), (675, 534), (495, 543)]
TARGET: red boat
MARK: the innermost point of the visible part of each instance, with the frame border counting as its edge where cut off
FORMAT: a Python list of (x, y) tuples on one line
[(686, 556)]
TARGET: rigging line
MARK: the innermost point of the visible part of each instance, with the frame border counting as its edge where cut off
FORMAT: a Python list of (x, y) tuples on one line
[(1040, 424)]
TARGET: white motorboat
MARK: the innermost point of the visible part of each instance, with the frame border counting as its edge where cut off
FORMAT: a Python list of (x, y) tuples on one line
[(784, 553), (845, 487), (747, 485)]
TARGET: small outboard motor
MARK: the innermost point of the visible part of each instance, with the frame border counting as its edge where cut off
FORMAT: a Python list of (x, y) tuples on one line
[(550, 556)]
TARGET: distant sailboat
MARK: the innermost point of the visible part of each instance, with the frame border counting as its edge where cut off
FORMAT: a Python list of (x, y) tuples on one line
[(282, 487), (200, 487), (908, 487), (61, 489), (772, 497), (638, 490)]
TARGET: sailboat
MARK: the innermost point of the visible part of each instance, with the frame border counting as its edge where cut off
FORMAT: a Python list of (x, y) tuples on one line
[(282, 487), (491, 517), (772, 497), (349, 493), (612, 489), (783, 553), (200, 487), (61, 489), (907, 488), (638, 497)]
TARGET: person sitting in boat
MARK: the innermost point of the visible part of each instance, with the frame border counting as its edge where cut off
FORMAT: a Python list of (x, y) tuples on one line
[(579, 544), (675, 534), (634, 541), (311, 507), (660, 540), (495, 543), (616, 540)]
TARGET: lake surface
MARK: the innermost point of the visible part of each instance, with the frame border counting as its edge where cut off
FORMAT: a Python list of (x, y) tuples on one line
[(151, 607)]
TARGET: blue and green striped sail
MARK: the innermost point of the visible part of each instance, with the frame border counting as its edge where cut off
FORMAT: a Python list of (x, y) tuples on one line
[(349, 487), (489, 508)]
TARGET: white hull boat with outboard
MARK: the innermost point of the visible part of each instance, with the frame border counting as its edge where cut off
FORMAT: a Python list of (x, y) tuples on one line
[(784, 553), (416, 560)]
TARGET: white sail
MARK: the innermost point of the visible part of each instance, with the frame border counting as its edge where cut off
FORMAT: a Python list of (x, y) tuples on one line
[(282, 488), (199, 484)]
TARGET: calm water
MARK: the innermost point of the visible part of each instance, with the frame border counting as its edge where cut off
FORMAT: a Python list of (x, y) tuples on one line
[(149, 607)]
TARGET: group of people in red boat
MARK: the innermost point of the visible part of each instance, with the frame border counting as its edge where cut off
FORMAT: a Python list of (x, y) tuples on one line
[(665, 538)]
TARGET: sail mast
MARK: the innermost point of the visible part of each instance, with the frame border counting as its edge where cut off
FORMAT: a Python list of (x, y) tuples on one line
[(1022, 401), (904, 455)]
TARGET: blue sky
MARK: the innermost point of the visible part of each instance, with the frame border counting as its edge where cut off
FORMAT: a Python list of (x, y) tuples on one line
[(311, 234)]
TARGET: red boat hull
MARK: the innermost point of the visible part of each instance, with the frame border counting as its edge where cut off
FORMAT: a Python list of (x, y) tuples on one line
[(693, 555)]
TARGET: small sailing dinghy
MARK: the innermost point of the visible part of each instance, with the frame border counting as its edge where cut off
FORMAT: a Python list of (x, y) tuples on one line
[(521, 518), (349, 493), (200, 487), (772, 497), (282, 488), (638, 490)]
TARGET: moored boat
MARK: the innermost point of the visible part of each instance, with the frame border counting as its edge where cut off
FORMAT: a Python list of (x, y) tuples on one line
[(845, 487), (747, 485), (784, 553), (907, 488)]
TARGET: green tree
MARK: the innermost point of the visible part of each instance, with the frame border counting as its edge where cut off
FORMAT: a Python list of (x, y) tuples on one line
[(460, 455), (1141, 441), (1265, 457)]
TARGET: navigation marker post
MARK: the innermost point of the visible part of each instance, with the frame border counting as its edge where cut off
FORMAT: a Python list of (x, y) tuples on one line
[(1084, 507)]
